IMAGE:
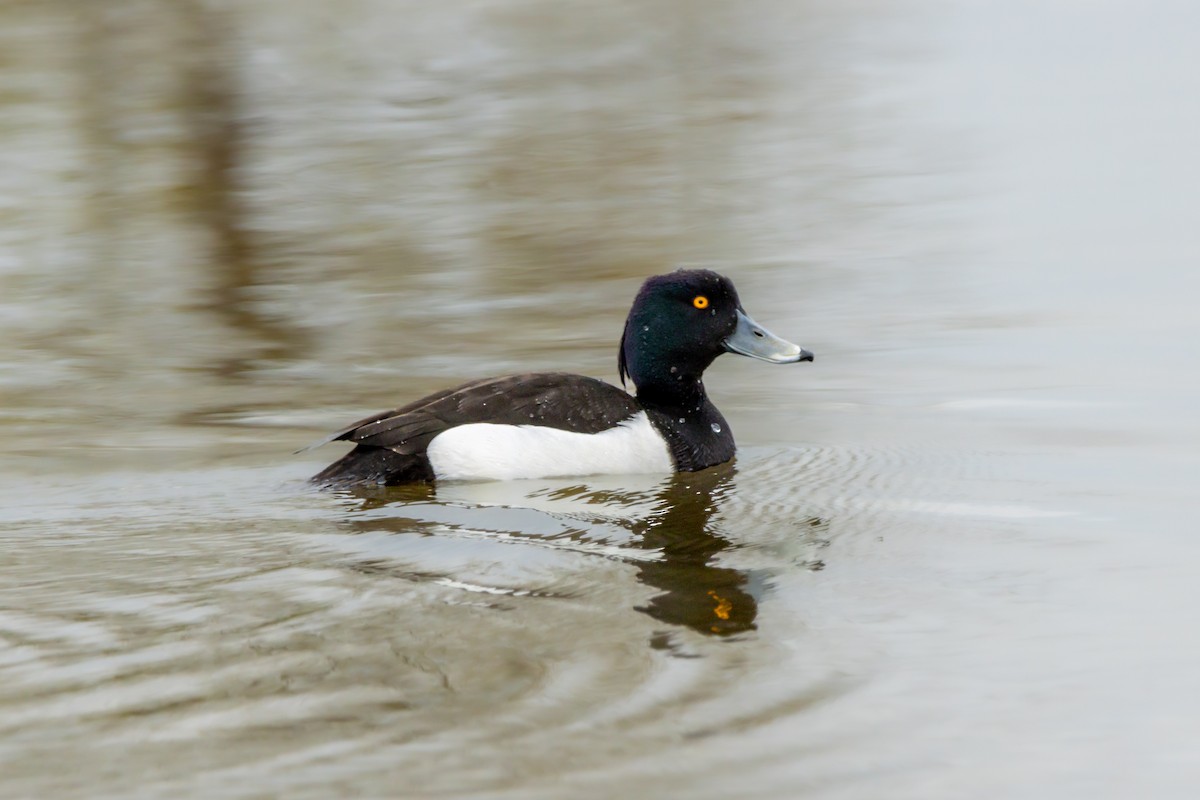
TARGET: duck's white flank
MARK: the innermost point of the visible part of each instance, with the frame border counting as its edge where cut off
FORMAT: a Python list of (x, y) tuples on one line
[(484, 450)]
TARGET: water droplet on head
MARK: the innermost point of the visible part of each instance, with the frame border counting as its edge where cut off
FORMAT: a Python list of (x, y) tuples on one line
[(681, 420), (674, 370), (645, 327), (716, 428)]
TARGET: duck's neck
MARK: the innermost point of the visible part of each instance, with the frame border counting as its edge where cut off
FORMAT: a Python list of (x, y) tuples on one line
[(695, 432), (678, 392)]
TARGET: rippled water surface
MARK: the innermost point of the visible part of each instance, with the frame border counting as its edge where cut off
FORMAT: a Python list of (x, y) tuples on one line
[(955, 555)]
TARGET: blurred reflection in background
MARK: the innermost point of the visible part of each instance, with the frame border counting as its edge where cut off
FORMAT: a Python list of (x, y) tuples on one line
[(248, 185)]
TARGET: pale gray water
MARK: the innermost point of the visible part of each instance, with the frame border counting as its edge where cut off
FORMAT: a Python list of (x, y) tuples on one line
[(954, 558)]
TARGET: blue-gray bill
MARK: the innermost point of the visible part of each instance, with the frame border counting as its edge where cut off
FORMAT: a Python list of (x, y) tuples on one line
[(751, 339)]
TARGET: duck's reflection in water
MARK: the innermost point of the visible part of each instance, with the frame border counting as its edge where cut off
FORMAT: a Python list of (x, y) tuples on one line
[(678, 522), (694, 592)]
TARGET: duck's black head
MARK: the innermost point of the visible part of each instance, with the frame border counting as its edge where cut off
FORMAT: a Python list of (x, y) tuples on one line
[(680, 322)]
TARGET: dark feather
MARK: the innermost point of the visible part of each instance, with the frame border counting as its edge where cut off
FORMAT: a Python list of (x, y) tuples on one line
[(374, 466), (346, 432), (622, 362)]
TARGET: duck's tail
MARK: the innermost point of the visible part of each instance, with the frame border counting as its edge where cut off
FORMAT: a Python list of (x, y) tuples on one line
[(374, 466)]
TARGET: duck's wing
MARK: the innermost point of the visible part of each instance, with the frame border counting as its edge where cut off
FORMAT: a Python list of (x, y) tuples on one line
[(554, 399), (347, 432)]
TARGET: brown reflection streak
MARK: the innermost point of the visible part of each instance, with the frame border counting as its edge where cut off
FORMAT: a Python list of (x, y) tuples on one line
[(696, 594), (212, 112), (97, 51), (168, 144)]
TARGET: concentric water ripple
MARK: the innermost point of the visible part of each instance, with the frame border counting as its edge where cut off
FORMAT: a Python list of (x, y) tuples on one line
[(416, 628)]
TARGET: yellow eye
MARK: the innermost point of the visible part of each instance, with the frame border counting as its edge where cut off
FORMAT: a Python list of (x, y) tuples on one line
[(700, 301)]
